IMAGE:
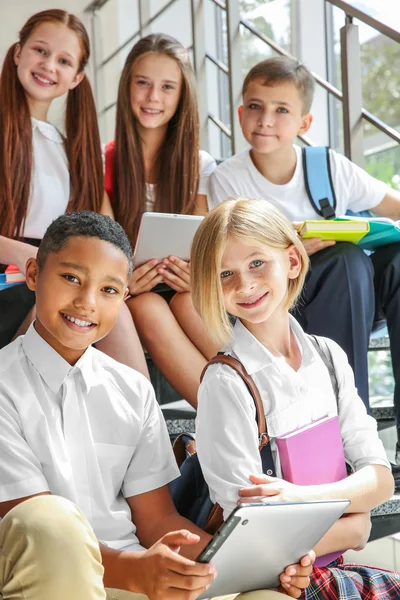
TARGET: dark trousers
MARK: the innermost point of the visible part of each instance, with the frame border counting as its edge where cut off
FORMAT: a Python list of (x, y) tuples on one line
[(345, 290)]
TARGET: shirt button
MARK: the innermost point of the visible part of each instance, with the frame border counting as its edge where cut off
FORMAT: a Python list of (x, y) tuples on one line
[(269, 472), (304, 389)]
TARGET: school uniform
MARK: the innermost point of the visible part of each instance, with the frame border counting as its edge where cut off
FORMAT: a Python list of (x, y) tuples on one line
[(93, 435), (227, 435), (345, 290), (49, 197)]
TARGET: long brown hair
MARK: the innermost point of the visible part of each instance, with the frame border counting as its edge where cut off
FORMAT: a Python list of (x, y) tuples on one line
[(178, 158), (82, 144)]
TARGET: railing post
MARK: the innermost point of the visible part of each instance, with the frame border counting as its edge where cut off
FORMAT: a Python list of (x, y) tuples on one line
[(235, 71), (352, 93), (199, 59), (144, 17)]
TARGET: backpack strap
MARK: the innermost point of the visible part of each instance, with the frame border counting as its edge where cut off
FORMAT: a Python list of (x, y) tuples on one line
[(263, 438), (325, 354), (318, 180)]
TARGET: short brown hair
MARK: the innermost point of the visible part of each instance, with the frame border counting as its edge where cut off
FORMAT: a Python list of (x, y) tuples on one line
[(243, 219), (282, 68)]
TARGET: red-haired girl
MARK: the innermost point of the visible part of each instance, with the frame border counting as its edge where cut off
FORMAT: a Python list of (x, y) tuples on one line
[(43, 173)]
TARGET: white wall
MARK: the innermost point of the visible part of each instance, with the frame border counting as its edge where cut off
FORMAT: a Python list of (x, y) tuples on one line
[(14, 13)]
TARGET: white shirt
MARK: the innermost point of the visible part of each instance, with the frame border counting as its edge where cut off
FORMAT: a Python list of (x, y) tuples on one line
[(207, 166), (226, 429), (92, 433), (354, 188), (50, 181)]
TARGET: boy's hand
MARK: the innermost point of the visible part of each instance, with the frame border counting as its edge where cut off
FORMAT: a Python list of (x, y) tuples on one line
[(144, 278), (271, 489), (163, 574), (297, 577), (313, 245), (176, 273)]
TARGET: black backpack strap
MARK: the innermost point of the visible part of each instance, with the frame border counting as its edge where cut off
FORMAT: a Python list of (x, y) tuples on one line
[(325, 353), (318, 180)]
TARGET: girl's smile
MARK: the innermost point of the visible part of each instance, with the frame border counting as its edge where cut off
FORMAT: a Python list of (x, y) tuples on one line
[(155, 90), (47, 65), (254, 279)]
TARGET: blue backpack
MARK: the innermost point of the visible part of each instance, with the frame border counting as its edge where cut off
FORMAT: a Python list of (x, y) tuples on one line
[(318, 182)]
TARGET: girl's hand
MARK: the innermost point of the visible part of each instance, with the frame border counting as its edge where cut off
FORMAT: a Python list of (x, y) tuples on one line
[(296, 578), (144, 278), (176, 273), (271, 489)]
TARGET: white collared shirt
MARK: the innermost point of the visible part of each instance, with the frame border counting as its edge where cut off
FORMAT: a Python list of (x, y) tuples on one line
[(92, 433), (226, 429), (50, 181)]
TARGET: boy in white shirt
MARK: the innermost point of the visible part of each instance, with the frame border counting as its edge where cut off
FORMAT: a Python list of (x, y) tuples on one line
[(345, 288), (82, 432)]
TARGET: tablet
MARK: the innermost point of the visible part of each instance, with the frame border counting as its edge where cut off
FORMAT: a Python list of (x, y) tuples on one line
[(163, 234), (258, 541)]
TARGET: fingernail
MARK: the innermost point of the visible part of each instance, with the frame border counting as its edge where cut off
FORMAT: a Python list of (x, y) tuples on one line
[(172, 259), (291, 571), (286, 585), (286, 578)]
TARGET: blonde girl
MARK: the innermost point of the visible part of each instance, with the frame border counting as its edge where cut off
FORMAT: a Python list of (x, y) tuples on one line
[(42, 173), (155, 164), (248, 267)]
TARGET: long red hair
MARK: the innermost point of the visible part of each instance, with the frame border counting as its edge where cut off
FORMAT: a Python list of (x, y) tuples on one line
[(82, 143), (178, 161)]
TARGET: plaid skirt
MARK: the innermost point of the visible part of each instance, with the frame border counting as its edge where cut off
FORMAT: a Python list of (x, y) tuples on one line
[(348, 581)]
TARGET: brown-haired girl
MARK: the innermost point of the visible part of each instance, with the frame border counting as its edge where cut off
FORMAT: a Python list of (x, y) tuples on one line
[(42, 173), (155, 164)]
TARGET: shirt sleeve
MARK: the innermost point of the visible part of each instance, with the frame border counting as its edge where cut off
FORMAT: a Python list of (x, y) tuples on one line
[(355, 189), (226, 436), (20, 470), (361, 442), (220, 187), (153, 463), (207, 166)]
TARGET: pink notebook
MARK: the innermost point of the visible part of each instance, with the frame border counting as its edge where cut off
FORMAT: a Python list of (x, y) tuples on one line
[(314, 455)]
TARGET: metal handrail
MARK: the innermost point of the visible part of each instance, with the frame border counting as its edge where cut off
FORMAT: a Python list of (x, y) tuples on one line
[(220, 4), (132, 37), (218, 63), (356, 13)]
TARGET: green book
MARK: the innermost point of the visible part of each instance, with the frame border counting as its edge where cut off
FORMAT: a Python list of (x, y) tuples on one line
[(340, 230)]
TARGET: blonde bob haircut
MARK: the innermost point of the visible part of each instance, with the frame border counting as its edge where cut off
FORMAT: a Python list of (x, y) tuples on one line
[(253, 221)]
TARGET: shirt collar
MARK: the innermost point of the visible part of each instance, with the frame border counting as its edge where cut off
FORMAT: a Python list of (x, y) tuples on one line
[(51, 366), (48, 130), (254, 355)]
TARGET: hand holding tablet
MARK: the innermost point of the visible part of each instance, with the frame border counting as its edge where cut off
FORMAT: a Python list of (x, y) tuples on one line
[(162, 235), (258, 541)]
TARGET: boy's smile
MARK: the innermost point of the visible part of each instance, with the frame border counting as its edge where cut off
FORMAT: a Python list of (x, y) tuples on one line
[(79, 291), (272, 116)]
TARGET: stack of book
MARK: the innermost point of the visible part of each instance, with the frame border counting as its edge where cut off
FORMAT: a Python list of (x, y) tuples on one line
[(11, 276), (369, 234)]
